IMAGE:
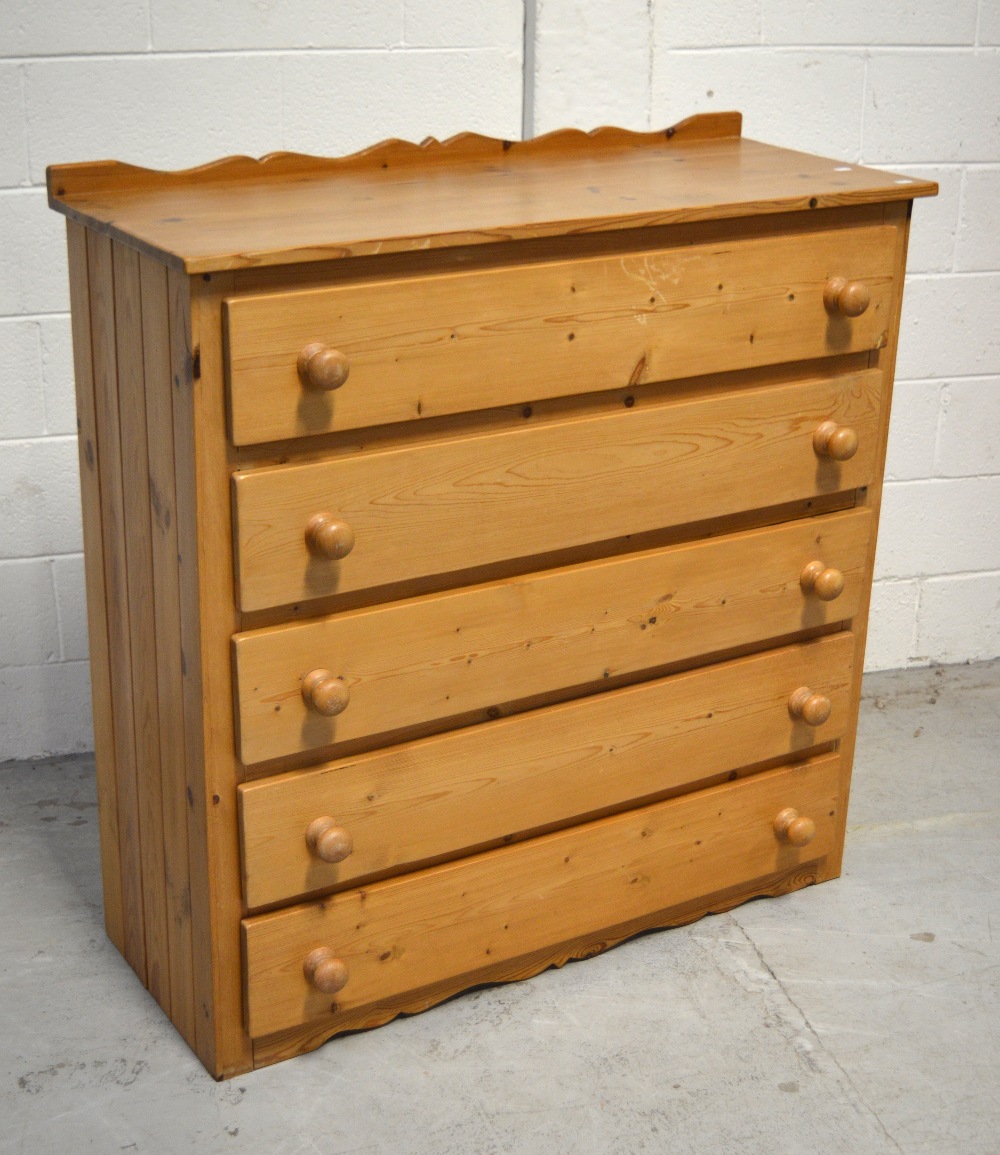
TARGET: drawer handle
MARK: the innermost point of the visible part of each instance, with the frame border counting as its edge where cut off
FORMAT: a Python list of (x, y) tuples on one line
[(323, 367), (329, 538), (813, 709), (824, 581), (325, 693), (324, 971), (849, 298), (790, 826), (839, 442), (329, 841)]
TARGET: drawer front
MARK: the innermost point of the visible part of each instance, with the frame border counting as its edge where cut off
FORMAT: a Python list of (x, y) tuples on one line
[(396, 809), (476, 648), (453, 920), (445, 505), (429, 345)]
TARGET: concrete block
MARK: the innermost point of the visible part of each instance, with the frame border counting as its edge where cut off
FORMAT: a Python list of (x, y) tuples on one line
[(71, 601), (680, 24), (13, 128), (932, 107), (950, 326), (913, 430), (978, 243), (28, 631), (892, 625), (50, 28), (897, 22), (969, 433), (22, 403), (220, 24), (445, 24), (45, 710), (340, 102), (941, 526), (959, 618), (165, 112), (934, 223), (592, 65), (40, 498), (57, 374), (989, 22), (805, 100), (33, 270)]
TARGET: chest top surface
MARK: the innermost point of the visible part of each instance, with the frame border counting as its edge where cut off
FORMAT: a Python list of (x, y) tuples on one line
[(394, 197)]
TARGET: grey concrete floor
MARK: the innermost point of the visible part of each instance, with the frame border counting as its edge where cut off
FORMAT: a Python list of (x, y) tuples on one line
[(858, 1016)]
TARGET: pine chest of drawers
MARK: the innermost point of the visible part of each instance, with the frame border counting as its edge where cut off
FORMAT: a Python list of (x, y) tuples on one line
[(479, 543)]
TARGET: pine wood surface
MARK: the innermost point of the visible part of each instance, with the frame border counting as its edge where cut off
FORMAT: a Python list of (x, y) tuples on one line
[(545, 330), (95, 550), (450, 794), (450, 504), (285, 209), (488, 645), (409, 932), (298, 1040)]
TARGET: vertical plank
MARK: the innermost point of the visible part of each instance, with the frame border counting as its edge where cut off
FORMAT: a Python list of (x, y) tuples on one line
[(162, 515), (142, 635), (871, 498), (209, 618), (105, 370), (97, 615)]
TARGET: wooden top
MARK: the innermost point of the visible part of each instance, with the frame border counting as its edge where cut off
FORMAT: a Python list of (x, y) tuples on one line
[(396, 196)]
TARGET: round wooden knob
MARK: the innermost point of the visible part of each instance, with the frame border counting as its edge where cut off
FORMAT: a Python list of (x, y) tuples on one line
[(824, 581), (790, 826), (325, 693), (849, 298), (329, 841), (813, 709), (324, 971), (323, 367), (329, 538), (837, 441)]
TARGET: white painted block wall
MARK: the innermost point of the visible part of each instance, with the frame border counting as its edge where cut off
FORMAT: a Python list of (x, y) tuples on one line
[(170, 83)]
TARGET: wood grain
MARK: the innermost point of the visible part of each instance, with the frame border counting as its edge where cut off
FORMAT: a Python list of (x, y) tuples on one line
[(488, 645), (444, 505), (162, 515), (239, 215), (208, 618), (297, 1040), (443, 796), (95, 561), (410, 932), (113, 522), (547, 330)]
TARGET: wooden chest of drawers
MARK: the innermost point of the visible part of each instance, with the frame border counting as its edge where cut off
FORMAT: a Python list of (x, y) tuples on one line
[(479, 544)]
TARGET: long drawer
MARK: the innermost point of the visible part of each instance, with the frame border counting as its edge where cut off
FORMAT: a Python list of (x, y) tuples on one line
[(427, 345), (463, 917), (395, 809), (476, 648), (444, 505)]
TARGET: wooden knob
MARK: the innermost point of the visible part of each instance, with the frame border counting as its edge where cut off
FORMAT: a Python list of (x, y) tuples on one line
[(329, 841), (324, 971), (824, 581), (323, 367), (837, 441), (325, 693), (790, 826), (329, 538), (850, 298), (813, 709)]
